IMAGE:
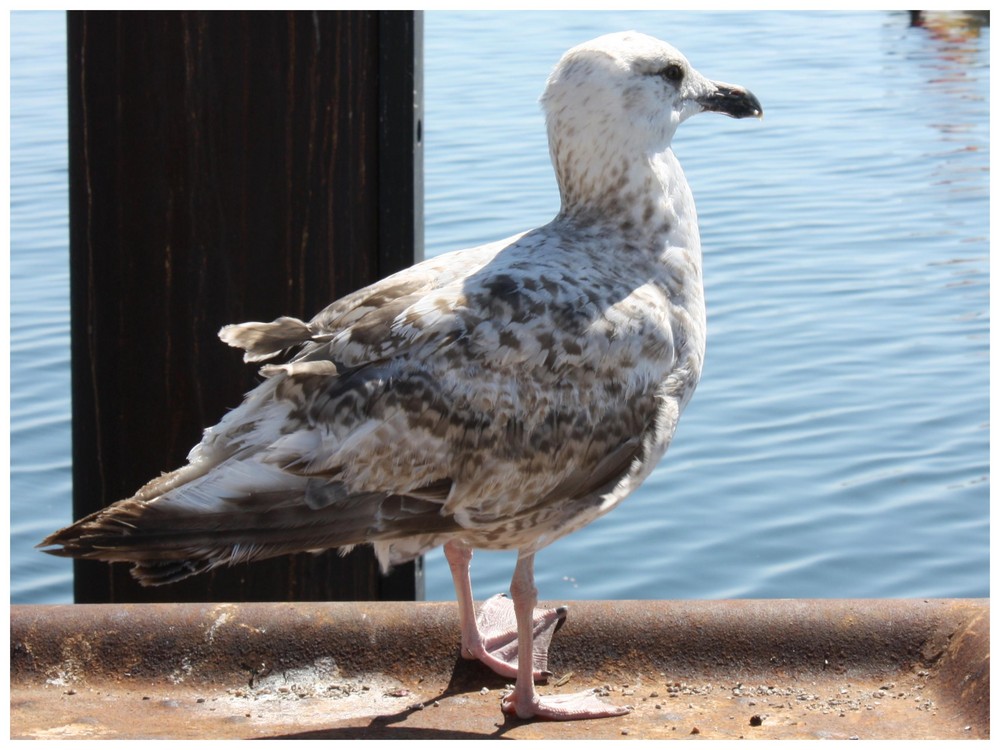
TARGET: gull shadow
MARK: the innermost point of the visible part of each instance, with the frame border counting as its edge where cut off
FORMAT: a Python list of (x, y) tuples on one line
[(467, 676)]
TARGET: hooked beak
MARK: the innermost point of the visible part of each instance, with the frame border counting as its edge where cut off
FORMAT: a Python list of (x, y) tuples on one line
[(731, 100)]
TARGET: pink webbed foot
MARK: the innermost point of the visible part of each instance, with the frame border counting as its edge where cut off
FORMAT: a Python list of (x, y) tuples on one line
[(497, 646), (568, 707), (524, 701)]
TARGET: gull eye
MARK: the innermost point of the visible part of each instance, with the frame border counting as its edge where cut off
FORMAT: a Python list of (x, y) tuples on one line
[(673, 72)]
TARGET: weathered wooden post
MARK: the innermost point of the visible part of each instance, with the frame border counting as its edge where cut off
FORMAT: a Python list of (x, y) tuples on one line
[(224, 167)]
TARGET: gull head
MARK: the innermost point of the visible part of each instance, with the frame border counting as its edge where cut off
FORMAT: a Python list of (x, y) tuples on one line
[(638, 86), (615, 102)]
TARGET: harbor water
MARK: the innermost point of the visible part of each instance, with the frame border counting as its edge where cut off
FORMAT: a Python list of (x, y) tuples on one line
[(838, 445)]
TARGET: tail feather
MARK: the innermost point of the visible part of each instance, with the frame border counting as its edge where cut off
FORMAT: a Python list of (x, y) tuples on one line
[(168, 541), (162, 572), (261, 341), (245, 495)]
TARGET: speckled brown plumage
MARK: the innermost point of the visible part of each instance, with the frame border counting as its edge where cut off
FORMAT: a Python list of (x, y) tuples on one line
[(498, 397)]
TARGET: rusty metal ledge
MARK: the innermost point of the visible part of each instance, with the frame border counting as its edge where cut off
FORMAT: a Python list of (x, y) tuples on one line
[(891, 669)]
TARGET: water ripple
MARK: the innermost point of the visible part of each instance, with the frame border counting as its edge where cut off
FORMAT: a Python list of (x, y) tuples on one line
[(838, 445)]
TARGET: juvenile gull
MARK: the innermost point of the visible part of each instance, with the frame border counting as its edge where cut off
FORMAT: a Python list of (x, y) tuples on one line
[(499, 397)]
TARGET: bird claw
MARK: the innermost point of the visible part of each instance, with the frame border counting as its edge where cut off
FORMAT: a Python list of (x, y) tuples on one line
[(498, 637)]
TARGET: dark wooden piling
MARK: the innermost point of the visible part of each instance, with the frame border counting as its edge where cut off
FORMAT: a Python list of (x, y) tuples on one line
[(225, 167)]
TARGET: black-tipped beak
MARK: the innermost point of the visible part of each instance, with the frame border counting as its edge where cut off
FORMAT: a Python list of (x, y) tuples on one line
[(731, 100)]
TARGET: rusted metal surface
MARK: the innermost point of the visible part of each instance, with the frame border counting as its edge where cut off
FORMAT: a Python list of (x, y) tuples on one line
[(747, 668)]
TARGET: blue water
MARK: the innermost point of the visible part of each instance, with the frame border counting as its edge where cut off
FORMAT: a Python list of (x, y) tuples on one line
[(838, 445)]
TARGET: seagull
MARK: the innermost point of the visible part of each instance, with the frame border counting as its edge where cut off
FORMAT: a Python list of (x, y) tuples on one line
[(499, 397)]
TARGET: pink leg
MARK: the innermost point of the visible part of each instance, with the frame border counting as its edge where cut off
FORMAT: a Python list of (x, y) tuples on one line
[(492, 638), (525, 701)]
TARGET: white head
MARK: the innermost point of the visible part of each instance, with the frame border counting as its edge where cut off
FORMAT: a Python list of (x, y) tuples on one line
[(620, 97)]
